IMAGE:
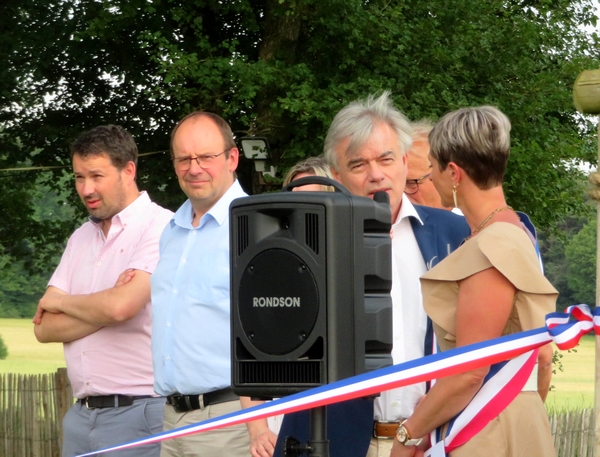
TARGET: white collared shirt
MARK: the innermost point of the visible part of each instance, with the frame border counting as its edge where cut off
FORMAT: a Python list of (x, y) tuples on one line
[(409, 317)]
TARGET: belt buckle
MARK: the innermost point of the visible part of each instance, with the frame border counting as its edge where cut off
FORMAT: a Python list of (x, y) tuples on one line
[(175, 402), (86, 403), (382, 437)]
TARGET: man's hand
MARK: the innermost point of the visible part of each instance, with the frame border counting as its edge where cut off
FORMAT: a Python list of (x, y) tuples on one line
[(125, 277), (49, 302), (262, 442)]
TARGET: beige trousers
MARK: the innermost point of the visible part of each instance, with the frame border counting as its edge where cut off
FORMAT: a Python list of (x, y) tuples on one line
[(380, 447), (230, 441)]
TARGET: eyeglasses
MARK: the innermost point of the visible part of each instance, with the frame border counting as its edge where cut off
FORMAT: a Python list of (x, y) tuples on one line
[(412, 185), (205, 160)]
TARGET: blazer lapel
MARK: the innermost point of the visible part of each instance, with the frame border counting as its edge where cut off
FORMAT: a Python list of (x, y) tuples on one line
[(426, 236)]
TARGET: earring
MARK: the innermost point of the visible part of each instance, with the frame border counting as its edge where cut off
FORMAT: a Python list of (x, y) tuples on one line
[(454, 196)]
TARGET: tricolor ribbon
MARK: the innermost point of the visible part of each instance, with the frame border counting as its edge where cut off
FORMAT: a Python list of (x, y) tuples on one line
[(501, 386), (561, 329)]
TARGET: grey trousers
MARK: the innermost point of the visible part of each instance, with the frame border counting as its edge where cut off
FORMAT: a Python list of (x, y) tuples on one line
[(87, 430)]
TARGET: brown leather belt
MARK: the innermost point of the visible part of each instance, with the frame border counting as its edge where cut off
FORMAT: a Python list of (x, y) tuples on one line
[(385, 430)]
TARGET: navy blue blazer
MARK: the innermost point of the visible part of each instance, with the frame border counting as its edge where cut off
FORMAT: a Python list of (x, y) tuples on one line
[(350, 423)]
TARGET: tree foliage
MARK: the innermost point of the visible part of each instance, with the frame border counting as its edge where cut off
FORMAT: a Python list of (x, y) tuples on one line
[(282, 69), (557, 267), (581, 255), (3, 349)]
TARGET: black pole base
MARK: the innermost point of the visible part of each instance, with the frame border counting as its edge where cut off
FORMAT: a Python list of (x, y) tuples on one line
[(318, 444)]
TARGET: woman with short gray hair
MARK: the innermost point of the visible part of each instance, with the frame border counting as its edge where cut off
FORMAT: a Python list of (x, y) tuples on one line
[(489, 287)]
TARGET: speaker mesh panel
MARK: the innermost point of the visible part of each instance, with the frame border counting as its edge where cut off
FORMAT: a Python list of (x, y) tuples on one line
[(243, 236), (311, 223), (296, 372)]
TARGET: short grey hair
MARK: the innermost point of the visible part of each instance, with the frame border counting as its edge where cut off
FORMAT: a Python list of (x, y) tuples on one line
[(316, 166), (420, 133), (421, 129), (356, 121), (476, 139)]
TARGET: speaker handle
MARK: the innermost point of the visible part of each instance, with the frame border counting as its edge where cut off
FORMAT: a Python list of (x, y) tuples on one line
[(316, 180)]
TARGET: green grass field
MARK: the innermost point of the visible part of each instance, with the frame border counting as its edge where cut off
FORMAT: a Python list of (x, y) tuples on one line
[(573, 388), (25, 354)]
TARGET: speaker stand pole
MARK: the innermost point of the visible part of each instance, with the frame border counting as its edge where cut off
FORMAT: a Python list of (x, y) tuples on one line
[(318, 432), (318, 444)]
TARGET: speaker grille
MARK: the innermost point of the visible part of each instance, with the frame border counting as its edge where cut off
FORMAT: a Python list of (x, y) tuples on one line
[(311, 221), (296, 372), (243, 235)]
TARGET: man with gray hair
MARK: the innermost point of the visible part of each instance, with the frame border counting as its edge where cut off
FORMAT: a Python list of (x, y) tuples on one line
[(366, 147)]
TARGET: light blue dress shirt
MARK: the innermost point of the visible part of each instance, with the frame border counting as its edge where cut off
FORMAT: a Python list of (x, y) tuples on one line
[(190, 302)]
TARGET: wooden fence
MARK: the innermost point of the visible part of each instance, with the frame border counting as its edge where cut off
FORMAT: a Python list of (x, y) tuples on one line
[(573, 433), (31, 412), (32, 408)]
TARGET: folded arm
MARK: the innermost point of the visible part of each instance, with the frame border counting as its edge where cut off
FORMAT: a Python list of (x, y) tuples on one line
[(61, 317), (60, 327)]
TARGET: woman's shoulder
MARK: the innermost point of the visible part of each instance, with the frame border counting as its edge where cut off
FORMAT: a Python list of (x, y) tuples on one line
[(503, 246)]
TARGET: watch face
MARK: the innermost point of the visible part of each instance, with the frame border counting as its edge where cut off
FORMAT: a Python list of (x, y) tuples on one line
[(401, 434)]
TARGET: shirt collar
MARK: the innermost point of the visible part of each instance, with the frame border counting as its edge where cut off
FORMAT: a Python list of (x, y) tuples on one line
[(219, 211), (407, 210), (127, 214)]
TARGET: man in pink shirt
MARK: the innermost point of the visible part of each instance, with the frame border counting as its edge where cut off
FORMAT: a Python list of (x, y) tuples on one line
[(105, 326)]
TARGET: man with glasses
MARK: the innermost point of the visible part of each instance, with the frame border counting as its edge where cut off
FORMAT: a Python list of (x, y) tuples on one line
[(419, 187), (366, 147), (190, 296)]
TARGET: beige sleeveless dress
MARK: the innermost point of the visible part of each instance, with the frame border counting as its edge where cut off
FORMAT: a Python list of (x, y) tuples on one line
[(522, 429)]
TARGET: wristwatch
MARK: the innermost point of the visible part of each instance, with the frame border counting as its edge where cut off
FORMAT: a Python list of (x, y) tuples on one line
[(404, 438)]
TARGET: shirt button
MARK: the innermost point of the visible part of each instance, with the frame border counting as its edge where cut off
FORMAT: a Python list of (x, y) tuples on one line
[(168, 357), (174, 291), (193, 232), (168, 324), (183, 260), (99, 263)]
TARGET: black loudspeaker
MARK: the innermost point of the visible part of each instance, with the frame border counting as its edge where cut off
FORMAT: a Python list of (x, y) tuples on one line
[(311, 277)]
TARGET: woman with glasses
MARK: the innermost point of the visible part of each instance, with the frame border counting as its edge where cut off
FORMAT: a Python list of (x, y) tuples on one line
[(489, 287), (419, 188)]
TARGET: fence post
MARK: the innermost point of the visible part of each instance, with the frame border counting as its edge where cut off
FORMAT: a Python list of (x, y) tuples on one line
[(64, 398)]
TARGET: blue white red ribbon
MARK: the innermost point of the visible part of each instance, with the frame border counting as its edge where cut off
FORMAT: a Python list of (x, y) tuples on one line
[(501, 386), (561, 329)]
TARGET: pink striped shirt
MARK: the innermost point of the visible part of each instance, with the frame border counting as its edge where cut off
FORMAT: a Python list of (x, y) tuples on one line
[(116, 359)]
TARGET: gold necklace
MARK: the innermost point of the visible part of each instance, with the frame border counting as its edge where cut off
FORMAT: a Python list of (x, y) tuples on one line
[(487, 219)]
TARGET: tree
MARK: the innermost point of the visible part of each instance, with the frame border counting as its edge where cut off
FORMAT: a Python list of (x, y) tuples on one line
[(581, 255), (283, 68), (556, 264), (3, 349)]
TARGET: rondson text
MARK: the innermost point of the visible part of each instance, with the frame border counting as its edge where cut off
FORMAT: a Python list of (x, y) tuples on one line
[(276, 302)]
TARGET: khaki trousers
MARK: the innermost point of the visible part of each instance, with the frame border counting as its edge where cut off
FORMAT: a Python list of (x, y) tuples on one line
[(380, 447), (230, 441)]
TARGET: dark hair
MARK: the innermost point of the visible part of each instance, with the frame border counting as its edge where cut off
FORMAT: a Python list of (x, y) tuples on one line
[(112, 140), (476, 139), (221, 123)]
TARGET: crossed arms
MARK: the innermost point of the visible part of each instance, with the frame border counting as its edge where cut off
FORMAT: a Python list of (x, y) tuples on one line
[(62, 318)]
